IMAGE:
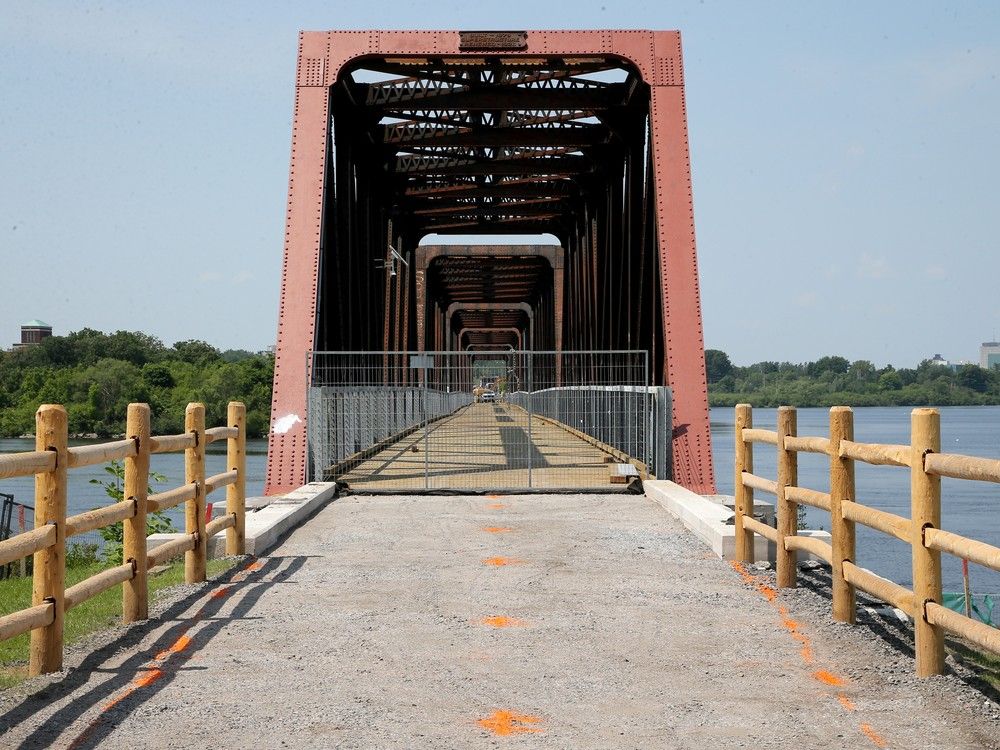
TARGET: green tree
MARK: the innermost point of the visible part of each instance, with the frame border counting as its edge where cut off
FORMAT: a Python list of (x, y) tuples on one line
[(717, 365), (157, 375), (973, 377), (114, 535), (890, 381), (195, 352), (861, 370), (835, 365)]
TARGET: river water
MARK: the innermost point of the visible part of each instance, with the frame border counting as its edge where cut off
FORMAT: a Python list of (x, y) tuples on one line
[(83, 495), (968, 508)]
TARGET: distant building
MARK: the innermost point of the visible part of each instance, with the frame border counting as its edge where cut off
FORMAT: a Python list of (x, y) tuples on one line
[(32, 333), (937, 359), (989, 355)]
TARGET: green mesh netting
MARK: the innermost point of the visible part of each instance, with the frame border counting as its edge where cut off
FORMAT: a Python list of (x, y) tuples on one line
[(982, 606)]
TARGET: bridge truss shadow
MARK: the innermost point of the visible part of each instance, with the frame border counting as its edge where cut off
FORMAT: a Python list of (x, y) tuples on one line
[(143, 674)]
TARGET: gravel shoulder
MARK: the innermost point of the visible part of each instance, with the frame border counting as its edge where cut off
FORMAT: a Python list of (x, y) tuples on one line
[(533, 621)]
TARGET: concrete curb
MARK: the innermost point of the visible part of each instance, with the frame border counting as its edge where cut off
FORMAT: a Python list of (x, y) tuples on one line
[(710, 520), (266, 523)]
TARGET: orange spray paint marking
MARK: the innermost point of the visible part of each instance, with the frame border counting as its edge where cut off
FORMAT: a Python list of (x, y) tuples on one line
[(179, 645), (506, 723), (153, 673), (793, 628), (846, 702), (502, 621), (496, 506), (149, 678), (112, 703), (496, 529), (877, 739), (499, 562), (807, 654), (828, 678), (143, 680), (738, 567), (221, 592), (493, 497)]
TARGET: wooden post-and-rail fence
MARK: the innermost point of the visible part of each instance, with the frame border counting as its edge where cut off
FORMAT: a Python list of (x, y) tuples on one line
[(922, 530), (51, 462)]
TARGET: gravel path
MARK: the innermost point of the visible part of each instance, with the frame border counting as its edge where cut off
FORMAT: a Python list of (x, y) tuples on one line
[(522, 622)]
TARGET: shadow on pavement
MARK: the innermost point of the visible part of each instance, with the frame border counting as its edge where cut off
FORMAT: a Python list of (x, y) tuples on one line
[(143, 674), (897, 634)]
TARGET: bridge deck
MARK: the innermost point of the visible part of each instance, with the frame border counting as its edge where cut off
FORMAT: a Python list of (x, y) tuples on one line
[(380, 624), (485, 446)]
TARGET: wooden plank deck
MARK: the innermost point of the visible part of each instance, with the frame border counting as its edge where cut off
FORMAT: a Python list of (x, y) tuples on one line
[(484, 447)]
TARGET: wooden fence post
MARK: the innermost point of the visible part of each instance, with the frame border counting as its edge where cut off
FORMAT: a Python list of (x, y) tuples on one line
[(236, 494), (925, 499), (135, 593), (787, 512), (841, 529), (49, 577), (194, 510), (744, 494)]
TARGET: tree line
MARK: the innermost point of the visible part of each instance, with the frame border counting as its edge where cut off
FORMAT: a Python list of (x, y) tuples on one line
[(835, 380), (96, 375)]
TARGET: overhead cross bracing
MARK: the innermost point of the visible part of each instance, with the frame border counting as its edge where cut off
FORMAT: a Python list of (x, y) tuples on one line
[(484, 290), (579, 137), (467, 138)]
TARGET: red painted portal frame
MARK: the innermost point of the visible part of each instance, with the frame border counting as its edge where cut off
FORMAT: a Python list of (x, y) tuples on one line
[(657, 57)]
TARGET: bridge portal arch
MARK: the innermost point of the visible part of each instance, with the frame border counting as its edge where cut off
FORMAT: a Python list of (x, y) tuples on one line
[(581, 135)]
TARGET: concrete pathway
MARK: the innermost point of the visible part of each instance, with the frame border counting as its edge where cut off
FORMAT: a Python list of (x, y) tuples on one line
[(520, 622)]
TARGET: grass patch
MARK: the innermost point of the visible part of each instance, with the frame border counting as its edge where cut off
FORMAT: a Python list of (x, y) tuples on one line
[(983, 663), (98, 613)]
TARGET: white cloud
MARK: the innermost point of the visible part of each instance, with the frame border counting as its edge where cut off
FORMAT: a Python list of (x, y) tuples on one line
[(806, 299), (873, 267)]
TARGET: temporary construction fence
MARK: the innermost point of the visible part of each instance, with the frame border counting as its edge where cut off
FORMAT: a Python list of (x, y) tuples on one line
[(14, 515), (53, 459), (979, 606), (925, 603), (485, 420)]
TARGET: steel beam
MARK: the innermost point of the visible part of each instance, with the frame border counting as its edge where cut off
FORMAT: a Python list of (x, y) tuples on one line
[(494, 329), (522, 306)]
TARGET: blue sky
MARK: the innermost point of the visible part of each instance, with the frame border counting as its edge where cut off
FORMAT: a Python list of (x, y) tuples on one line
[(846, 164)]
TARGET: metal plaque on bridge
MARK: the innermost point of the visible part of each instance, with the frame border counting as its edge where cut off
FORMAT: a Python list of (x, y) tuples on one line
[(492, 39), (421, 362)]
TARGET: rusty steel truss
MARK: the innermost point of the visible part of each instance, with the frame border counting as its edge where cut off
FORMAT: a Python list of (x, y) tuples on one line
[(582, 135)]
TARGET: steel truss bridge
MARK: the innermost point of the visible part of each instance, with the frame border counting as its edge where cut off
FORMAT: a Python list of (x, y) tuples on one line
[(579, 136)]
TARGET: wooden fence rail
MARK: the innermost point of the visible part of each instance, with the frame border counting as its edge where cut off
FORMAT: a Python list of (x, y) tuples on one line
[(922, 530), (50, 463)]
